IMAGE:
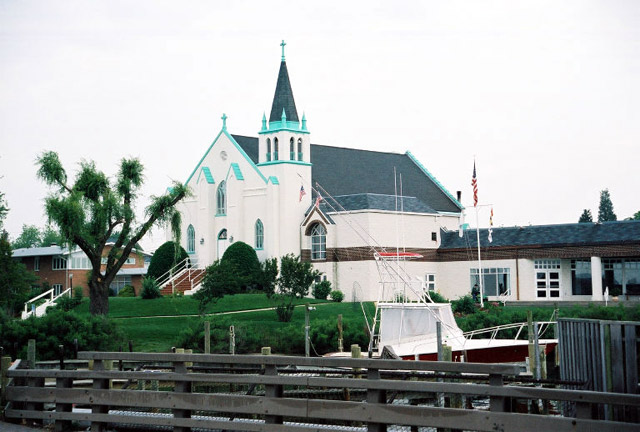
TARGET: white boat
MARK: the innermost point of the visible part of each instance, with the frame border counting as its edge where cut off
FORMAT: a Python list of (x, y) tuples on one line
[(409, 331)]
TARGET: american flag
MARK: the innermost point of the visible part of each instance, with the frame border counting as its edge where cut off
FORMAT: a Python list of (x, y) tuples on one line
[(474, 183), (302, 192), (491, 226), (317, 204)]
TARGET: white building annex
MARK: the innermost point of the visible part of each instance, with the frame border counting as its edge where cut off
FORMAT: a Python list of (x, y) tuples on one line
[(262, 191)]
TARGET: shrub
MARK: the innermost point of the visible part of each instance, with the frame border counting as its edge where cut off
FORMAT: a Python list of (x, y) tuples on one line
[(464, 305), (245, 264), (285, 310), (127, 291), (437, 297), (58, 327), (150, 289), (67, 303), (321, 290), (164, 258), (218, 281), (77, 294), (337, 296)]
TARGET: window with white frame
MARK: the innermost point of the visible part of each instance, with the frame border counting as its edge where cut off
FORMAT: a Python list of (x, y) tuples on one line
[(547, 278), (318, 242), (131, 260), (259, 234), (120, 282), (57, 289), (59, 263), (80, 262), (496, 281), (191, 239), (430, 281), (221, 199)]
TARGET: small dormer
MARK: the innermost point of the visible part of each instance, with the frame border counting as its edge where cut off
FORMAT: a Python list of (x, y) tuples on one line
[(284, 139)]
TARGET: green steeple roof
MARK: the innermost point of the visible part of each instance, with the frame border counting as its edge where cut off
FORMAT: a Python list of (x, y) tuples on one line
[(283, 99)]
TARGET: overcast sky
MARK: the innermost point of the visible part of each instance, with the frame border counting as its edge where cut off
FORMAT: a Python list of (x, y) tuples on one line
[(544, 94)]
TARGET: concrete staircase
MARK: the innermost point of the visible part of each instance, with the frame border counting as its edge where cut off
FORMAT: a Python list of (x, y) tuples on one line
[(186, 280)]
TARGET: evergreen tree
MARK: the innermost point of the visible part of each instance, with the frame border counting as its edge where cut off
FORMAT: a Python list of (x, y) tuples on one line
[(586, 216), (605, 210)]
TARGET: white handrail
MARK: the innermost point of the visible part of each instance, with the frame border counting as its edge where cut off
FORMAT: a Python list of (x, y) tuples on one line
[(41, 309), (495, 329)]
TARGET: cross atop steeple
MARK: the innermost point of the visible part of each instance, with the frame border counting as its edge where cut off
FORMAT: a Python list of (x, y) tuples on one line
[(282, 45), (224, 121)]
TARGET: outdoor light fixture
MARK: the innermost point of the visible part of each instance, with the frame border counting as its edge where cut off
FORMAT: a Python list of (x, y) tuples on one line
[(201, 240)]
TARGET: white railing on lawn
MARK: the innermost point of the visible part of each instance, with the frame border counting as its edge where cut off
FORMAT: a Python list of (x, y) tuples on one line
[(39, 310)]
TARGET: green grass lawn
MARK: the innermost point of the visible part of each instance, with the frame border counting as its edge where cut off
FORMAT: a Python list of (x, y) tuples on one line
[(121, 307), (158, 334)]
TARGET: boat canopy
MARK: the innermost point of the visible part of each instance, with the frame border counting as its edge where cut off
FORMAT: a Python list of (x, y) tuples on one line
[(402, 321)]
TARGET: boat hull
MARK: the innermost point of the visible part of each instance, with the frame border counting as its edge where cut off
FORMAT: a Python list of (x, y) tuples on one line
[(492, 354)]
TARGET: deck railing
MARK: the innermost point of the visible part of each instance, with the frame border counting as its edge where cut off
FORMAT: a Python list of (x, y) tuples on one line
[(293, 394)]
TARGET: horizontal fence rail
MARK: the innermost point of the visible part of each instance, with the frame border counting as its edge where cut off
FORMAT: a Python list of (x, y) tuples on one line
[(281, 393)]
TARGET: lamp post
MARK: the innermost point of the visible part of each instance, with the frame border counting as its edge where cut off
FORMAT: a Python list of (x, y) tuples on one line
[(307, 308)]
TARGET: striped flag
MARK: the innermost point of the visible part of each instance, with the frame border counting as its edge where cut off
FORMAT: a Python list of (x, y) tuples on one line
[(317, 204), (474, 183), (491, 226), (302, 192)]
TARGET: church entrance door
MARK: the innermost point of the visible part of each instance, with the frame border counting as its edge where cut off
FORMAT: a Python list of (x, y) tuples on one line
[(223, 243)]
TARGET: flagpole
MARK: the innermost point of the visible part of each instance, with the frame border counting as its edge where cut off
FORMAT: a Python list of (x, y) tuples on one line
[(479, 262)]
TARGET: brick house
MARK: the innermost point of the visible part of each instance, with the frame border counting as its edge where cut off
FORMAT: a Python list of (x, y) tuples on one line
[(62, 268)]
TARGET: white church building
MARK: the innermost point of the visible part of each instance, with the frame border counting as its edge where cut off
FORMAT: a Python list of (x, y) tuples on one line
[(281, 194), (264, 191)]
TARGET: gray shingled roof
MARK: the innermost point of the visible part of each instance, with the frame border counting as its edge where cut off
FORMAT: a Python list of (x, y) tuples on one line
[(39, 251), (374, 202), (283, 98), (577, 234), (347, 172)]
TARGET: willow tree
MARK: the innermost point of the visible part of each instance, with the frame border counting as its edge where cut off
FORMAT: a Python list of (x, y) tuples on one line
[(95, 209)]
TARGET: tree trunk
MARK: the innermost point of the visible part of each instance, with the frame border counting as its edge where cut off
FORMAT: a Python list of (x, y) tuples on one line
[(98, 297)]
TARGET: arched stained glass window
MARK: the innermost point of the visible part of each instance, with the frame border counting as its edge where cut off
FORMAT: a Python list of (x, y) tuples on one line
[(268, 149), (275, 149), (259, 235), (318, 242), (292, 149), (299, 149), (191, 239), (221, 199)]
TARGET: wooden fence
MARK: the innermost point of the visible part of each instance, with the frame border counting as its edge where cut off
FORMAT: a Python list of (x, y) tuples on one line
[(291, 394), (604, 356)]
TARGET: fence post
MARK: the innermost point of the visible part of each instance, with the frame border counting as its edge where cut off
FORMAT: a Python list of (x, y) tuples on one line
[(99, 384), (497, 403), (271, 390), (207, 337), (180, 367), (31, 354), (375, 396), (63, 425), (4, 367)]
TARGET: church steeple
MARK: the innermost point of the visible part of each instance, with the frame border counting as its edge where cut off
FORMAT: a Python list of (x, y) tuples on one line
[(283, 98)]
